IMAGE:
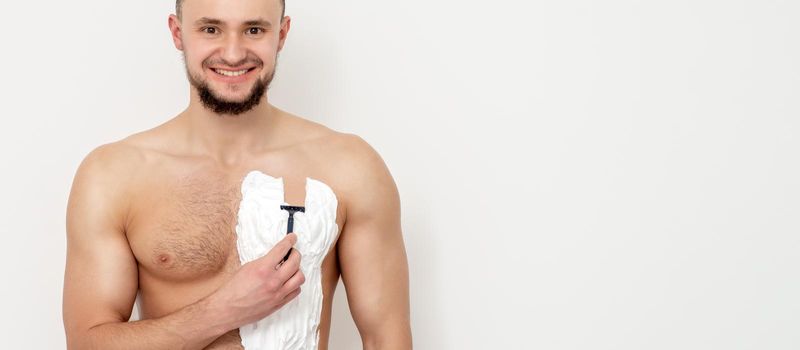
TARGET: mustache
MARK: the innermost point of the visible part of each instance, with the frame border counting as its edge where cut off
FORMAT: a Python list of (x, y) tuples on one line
[(222, 62)]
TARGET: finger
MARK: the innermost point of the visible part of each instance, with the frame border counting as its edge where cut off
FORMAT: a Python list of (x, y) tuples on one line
[(289, 297), (276, 254), (294, 282), (290, 267)]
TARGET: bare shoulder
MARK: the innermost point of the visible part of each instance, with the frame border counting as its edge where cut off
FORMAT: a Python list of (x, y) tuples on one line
[(367, 169), (354, 150), (117, 159), (364, 178), (102, 184), (330, 143), (299, 130), (348, 154)]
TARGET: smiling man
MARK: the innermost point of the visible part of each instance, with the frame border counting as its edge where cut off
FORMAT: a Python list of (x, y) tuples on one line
[(192, 214)]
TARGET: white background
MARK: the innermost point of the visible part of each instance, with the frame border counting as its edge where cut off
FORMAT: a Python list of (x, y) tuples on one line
[(574, 174)]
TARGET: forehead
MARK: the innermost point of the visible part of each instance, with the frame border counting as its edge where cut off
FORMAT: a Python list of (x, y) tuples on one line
[(231, 10)]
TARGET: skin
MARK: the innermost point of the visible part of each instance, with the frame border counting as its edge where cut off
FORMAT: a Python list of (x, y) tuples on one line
[(155, 213)]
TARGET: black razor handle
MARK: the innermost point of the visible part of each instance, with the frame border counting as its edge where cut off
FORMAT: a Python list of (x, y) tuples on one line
[(290, 226)]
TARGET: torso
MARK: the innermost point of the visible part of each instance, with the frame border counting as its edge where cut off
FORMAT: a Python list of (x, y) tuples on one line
[(182, 216)]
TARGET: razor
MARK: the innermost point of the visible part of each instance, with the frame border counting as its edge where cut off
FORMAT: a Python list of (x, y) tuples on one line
[(290, 226)]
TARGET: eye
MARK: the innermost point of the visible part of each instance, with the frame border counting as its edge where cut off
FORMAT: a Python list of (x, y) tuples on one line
[(255, 30), (209, 30)]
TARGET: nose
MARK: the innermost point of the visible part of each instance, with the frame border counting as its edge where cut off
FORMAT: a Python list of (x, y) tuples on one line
[(234, 53)]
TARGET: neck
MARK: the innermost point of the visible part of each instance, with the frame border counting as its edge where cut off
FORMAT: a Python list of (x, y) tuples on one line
[(227, 139)]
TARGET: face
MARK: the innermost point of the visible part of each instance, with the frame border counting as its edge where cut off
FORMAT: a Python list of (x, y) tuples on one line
[(230, 50)]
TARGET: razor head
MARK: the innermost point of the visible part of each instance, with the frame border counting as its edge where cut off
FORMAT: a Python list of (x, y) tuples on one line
[(293, 209)]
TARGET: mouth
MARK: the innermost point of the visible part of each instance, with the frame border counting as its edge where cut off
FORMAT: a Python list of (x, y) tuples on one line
[(232, 75)]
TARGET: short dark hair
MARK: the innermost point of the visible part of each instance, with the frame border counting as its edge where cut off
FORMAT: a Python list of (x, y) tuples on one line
[(179, 6)]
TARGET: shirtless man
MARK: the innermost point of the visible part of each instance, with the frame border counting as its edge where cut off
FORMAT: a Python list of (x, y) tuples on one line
[(155, 214)]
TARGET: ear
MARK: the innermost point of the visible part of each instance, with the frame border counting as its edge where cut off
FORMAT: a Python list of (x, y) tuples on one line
[(286, 23), (175, 29)]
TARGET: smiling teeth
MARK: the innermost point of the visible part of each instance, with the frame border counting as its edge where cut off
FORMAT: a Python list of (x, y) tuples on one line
[(231, 73)]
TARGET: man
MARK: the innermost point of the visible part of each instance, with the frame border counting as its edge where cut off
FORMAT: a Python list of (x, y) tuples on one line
[(156, 212)]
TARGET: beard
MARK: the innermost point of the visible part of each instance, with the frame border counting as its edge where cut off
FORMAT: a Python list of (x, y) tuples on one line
[(219, 105)]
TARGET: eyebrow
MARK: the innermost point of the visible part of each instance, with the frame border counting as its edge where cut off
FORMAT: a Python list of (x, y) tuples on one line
[(206, 20), (215, 21), (258, 22)]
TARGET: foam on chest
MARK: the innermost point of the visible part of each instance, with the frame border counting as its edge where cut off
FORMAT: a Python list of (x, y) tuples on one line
[(261, 223)]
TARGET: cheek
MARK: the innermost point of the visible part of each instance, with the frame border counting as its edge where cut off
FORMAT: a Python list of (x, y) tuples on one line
[(266, 51), (267, 56), (195, 55), (195, 64)]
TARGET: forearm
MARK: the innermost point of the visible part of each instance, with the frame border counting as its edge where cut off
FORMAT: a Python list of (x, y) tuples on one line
[(192, 327)]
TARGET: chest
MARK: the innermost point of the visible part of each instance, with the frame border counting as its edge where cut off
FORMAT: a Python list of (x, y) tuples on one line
[(183, 228)]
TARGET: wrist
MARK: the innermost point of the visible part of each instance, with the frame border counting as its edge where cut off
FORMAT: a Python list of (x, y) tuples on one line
[(218, 315)]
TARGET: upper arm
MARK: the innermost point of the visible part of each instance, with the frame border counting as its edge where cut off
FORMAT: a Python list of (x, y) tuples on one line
[(100, 280), (371, 251)]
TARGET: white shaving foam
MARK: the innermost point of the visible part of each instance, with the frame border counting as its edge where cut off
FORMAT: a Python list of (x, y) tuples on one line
[(261, 224)]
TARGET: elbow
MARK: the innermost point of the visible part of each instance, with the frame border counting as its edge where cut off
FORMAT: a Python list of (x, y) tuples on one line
[(77, 342), (74, 338), (80, 339), (389, 338)]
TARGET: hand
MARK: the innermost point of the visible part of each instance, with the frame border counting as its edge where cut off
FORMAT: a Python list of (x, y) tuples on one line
[(262, 286)]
